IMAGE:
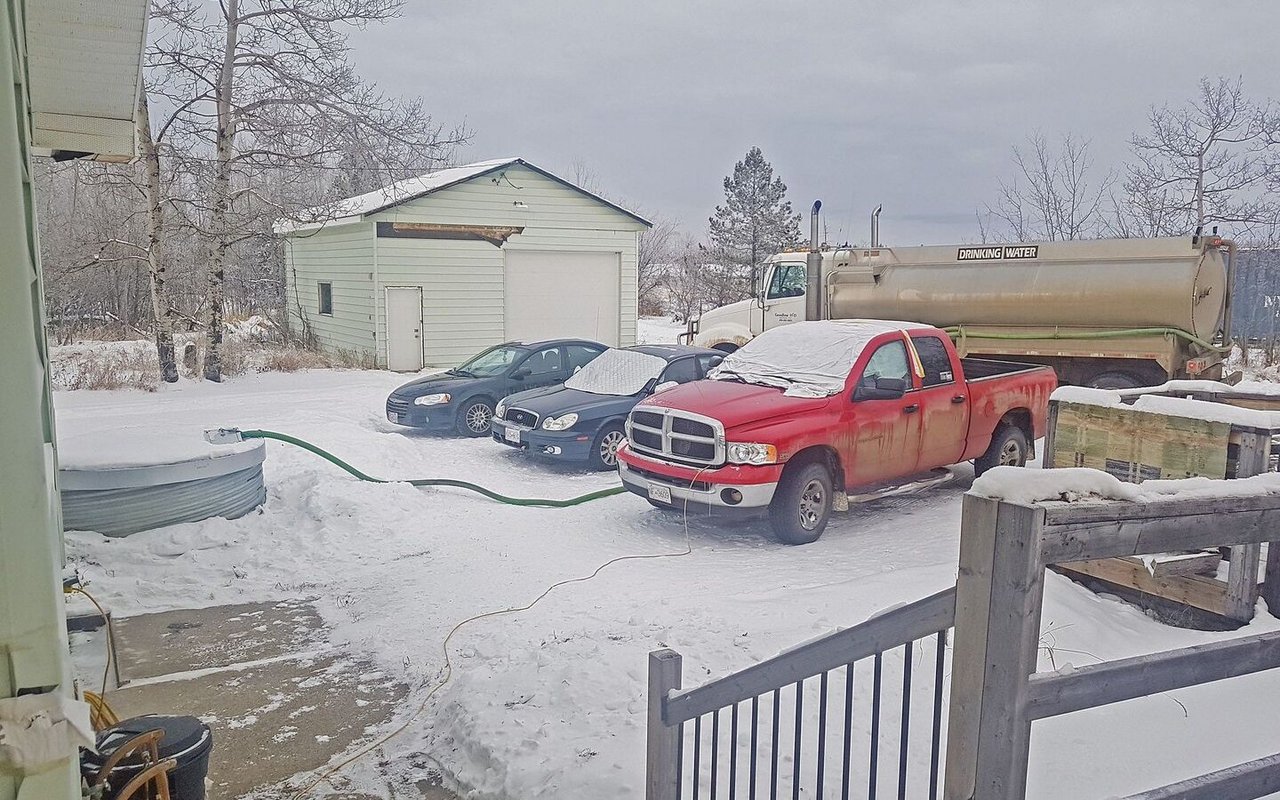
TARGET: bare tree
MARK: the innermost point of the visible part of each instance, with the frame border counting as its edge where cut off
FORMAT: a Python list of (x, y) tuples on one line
[(1052, 196), (655, 255), (262, 89), (1200, 164)]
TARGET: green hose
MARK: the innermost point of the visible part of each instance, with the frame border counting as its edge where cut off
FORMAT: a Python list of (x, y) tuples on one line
[(515, 501), (960, 331)]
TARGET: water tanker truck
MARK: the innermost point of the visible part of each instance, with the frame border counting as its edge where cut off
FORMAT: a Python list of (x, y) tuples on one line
[(1109, 313)]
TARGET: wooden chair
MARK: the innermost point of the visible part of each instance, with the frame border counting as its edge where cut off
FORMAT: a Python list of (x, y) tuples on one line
[(146, 747)]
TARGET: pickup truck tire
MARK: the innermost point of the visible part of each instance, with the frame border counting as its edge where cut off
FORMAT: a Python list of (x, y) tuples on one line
[(802, 505), (1008, 449), (474, 417), (604, 448)]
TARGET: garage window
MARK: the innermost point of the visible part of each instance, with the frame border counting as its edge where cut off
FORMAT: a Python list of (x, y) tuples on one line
[(326, 298)]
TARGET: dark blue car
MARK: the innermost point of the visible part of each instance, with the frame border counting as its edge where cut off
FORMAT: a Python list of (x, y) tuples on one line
[(462, 399), (582, 420)]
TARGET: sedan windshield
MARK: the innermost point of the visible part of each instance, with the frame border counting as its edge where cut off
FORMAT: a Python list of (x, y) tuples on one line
[(617, 372), (493, 361)]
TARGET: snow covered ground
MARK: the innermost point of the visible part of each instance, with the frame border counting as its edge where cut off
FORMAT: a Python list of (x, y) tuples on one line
[(550, 702)]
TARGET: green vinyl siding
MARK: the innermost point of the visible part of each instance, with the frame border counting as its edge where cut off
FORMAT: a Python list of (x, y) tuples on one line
[(343, 258)]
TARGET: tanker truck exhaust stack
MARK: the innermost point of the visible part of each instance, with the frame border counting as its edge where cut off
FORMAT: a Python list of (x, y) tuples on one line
[(814, 307)]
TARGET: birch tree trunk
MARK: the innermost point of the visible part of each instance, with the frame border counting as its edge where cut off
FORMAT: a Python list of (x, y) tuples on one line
[(162, 312), (225, 147)]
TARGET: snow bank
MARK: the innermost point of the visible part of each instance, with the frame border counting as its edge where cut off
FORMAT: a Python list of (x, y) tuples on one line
[(1072, 484), (1085, 396)]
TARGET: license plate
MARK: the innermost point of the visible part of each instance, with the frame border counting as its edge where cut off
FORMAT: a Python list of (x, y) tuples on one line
[(660, 493), (512, 435)]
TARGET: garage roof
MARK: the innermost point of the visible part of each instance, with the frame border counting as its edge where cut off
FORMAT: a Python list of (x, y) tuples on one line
[(413, 188), (84, 64)]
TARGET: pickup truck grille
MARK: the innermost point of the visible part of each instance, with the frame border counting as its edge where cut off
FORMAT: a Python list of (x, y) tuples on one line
[(676, 436), (521, 417)]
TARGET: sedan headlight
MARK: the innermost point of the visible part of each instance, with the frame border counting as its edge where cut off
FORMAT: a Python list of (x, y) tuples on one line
[(431, 400), (500, 410), (742, 453), (559, 423)]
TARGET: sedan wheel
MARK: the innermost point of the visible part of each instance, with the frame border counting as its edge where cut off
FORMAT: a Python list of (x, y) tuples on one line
[(604, 450), (474, 418)]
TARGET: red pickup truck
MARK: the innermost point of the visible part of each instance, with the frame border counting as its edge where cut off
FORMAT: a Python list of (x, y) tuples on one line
[(807, 412)]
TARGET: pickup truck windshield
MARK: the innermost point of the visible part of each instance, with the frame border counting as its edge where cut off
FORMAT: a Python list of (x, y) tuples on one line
[(808, 359), (493, 361), (617, 372)]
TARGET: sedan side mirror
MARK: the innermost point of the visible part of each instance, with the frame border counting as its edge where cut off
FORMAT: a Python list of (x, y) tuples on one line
[(880, 389), (520, 374)]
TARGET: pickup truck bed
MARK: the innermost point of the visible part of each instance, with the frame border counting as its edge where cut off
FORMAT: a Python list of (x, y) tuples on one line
[(813, 409)]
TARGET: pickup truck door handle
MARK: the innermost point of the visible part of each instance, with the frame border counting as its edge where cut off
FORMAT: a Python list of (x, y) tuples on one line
[(911, 409), (958, 399)]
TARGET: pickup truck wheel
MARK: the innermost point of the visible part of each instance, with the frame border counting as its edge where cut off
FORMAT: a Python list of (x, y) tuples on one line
[(604, 449), (1008, 449), (474, 418), (802, 505)]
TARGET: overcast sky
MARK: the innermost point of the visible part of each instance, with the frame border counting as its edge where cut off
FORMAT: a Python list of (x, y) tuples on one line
[(911, 104)]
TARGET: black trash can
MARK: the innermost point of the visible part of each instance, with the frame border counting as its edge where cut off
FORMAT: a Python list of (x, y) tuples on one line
[(186, 740)]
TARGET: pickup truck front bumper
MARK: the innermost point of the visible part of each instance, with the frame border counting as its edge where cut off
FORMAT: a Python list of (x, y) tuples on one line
[(732, 489)]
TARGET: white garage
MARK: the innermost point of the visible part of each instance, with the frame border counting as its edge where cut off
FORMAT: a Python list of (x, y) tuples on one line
[(431, 270)]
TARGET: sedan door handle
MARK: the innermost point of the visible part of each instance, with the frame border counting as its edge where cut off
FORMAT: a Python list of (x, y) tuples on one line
[(958, 399), (911, 409)]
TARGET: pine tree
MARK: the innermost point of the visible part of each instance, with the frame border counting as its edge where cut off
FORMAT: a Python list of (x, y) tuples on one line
[(756, 220)]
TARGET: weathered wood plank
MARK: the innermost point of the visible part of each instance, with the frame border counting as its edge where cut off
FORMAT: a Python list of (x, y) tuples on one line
[(1128, 537), (1242, 582), (1271, 579), (1051, 694), (662, 753), (973, 607), (1207, 594), (1186, 565), (885, 631), (988, 745), (1058, 513), (1246, 781)]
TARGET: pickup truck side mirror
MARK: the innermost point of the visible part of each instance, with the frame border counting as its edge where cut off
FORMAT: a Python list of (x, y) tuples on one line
[(880, 389)]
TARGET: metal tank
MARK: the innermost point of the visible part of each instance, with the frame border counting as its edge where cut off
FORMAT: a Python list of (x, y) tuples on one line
[(1115, 284)]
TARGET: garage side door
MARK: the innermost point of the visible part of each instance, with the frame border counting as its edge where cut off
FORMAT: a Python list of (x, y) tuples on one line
[(553, 294)]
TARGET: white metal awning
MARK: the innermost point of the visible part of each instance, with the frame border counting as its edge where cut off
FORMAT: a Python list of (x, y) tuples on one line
[(84, 60)]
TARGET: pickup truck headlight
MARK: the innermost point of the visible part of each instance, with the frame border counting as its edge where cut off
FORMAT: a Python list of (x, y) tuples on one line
[(559, 423), (500, 410), (431, 400), (741, 453)]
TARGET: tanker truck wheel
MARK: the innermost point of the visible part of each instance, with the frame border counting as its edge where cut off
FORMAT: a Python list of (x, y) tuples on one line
[(1115, 380), (802, 505), (1008, 449)]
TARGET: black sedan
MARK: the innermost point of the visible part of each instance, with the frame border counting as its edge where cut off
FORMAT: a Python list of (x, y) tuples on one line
[(462, 399), (582, 420)]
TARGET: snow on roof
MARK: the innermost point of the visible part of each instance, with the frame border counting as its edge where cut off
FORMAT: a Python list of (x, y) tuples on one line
[(1073, 484), (1171, 406), (352, 208)]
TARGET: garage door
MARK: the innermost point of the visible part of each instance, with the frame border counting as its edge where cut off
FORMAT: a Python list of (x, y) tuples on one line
[(551, 295)]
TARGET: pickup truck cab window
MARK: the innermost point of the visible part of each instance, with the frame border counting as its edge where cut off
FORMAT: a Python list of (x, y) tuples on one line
[(888, 361), (788, 281), (935, 359)]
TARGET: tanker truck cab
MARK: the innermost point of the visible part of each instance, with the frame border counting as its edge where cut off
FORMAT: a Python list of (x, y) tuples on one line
[(807, 413), (779, 300)]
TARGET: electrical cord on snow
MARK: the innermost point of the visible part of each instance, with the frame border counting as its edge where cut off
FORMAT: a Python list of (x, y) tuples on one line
[(230, 434), (447, 672)]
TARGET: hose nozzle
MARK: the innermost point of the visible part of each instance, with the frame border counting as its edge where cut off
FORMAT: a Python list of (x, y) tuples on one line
[(223, 436)]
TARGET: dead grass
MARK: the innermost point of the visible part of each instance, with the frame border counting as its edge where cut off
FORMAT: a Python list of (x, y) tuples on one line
[(118, 368)]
